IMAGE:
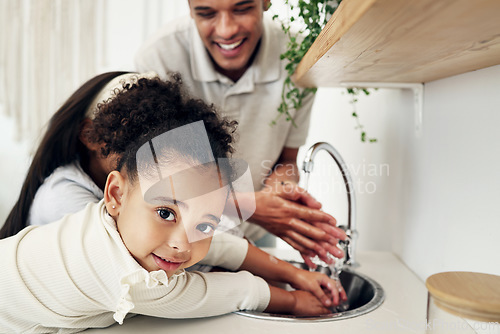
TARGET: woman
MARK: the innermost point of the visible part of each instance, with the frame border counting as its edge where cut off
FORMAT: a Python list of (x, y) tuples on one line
[(66, 162)]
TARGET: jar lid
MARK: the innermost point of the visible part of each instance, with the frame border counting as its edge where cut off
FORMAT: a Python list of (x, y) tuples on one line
[(468, 294)]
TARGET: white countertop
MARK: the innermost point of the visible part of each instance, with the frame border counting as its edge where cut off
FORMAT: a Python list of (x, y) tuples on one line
[(403, 311)]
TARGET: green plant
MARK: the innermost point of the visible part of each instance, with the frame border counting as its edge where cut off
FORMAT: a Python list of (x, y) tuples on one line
[(313, 16), (354, 92)]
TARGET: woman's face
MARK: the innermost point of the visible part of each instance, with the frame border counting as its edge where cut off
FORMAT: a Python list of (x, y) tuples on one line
[(169, 234), (95, 164)]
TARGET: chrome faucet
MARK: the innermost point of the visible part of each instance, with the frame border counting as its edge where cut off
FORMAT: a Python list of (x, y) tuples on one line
[(350, 229)]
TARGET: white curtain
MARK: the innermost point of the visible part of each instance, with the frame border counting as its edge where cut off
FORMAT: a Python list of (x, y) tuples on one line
[(50, 47), (40, 42)]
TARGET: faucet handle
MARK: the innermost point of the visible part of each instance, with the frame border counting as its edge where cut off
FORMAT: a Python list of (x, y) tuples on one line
[(348, 246)]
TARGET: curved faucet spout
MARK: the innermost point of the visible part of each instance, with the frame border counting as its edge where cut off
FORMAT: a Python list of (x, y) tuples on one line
[(350, 229)]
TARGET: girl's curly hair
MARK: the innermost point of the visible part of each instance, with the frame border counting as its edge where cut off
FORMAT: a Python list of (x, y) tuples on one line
[(148, 108)]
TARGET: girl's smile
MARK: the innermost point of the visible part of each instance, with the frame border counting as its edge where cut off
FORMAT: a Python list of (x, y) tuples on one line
[(167, 265)]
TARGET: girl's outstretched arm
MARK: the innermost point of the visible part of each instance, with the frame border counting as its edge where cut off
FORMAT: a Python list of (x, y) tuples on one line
[(270, 268)]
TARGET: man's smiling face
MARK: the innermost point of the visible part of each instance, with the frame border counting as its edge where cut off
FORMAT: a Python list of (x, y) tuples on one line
[(230, 30)]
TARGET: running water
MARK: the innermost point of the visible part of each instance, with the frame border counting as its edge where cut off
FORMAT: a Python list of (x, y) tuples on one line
[(305, 181), (336, 266), (334, 272), (336, 269)]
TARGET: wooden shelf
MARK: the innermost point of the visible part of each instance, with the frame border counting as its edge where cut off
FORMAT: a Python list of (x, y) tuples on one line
[(403, 41)]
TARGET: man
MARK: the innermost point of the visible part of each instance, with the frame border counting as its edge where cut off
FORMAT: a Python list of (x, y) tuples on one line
[(229, 54)]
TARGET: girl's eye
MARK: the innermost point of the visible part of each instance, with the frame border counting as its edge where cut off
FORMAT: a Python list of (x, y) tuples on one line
[(166, 214), (205, 228)]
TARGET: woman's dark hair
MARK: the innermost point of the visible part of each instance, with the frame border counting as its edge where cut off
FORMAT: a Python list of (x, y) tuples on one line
[(151, 107), (60, 145)]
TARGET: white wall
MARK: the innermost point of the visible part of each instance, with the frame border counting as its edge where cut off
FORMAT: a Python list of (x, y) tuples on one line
[(438, 207), (451, 189), (375, 168), (130, 22)]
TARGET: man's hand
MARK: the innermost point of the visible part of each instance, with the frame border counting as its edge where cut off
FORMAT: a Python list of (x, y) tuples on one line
[(292, 214)]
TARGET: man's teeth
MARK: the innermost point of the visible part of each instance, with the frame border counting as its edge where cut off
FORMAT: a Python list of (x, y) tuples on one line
[(230, 46)]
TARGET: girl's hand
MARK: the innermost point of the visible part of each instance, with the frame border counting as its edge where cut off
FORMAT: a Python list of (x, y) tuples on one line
[(307, 304), (329, 291)]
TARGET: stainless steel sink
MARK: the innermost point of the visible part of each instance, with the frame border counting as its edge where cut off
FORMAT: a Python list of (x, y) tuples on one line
[(363, 293)]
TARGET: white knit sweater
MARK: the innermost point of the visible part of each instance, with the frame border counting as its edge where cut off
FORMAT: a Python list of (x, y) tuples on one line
[(77, 273)]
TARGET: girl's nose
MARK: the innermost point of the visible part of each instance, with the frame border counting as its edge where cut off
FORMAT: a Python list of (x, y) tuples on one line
[(179, 241), (226, 27), (180, 248)]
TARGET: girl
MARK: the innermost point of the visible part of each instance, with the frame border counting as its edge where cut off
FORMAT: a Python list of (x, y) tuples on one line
[(126, 254), (68, 170), (65, 161)]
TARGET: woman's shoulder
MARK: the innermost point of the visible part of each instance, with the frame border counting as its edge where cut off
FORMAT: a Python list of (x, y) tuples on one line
[(70, 176), (67, 190)]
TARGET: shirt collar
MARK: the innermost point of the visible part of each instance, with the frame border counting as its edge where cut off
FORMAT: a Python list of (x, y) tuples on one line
[(266, 66), (201, 64), (267, 63)]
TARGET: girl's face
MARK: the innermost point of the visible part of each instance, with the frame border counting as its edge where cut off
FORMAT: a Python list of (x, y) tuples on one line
[(168, 235)]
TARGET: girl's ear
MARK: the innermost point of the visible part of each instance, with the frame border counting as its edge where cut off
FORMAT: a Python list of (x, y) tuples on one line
[(113, 193)]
